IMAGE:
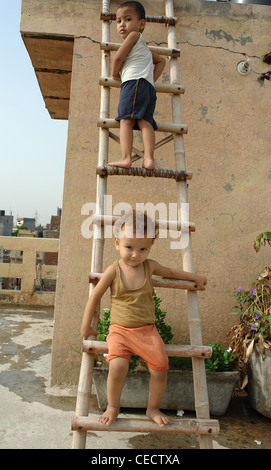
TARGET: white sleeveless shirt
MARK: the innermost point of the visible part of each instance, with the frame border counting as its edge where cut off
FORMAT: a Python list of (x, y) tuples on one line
[(138, 63)]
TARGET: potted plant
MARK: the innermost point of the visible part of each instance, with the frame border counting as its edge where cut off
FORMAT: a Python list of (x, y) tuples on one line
[(251, 338), (179, 395)]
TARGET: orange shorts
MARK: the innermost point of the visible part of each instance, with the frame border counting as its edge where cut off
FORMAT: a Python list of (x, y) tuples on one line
[(143, 341)]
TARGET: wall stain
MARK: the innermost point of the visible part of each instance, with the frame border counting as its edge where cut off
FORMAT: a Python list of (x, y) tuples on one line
[(215, 34), (165, 78), (211, 242), (228, 186), (231, 215), (204, 111)]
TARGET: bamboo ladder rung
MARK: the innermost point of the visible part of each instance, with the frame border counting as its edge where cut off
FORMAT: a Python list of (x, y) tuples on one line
[(159, 87), (161, 126), (159, 223), (157, 282), (173, 350), (150, 19), (114, 46), (181, 426), (178, 175)]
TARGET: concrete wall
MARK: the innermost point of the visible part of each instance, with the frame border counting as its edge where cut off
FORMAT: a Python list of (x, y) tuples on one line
[(227, 149)]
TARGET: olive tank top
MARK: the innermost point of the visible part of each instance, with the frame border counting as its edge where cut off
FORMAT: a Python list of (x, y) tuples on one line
[(132, 308)]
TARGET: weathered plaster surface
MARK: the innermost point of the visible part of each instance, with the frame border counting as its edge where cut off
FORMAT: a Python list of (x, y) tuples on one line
[(227, 148)]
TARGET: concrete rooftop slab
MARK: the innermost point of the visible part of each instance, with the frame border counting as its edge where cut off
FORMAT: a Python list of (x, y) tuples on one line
[(51, 57), (35, 415)]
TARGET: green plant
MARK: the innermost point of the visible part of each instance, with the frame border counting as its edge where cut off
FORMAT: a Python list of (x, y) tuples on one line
[(163, 329), (221, 360), (254, 309), (103, 326), (17, 228), (183, 363), (261, 239)]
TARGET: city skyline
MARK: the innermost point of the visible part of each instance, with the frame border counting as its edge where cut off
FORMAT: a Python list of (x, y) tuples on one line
[(33, 146)]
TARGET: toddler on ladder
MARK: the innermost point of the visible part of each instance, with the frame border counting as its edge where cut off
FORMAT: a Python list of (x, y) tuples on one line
[(132, 330), (138, 69)]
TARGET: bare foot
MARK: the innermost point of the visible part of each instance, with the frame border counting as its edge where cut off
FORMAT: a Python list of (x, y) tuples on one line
[(148, 163), (123, 163), (109, 416), (158, 417)]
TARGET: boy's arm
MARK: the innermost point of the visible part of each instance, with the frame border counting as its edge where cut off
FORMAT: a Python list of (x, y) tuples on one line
[(103, 284), (159, 65), (122, 52), (174, 273)]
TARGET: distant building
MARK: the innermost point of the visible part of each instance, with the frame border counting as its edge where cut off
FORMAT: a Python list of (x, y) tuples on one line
[(6, 224), (30, 223)]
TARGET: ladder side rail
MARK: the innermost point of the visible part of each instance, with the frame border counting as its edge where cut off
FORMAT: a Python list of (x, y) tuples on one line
[(199, 374), (87, 363), (101, 191)]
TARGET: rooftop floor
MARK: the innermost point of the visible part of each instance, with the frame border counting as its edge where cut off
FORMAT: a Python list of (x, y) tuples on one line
[(37, 416)]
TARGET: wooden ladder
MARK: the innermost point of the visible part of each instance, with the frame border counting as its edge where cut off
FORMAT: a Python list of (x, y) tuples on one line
[(202, 425)]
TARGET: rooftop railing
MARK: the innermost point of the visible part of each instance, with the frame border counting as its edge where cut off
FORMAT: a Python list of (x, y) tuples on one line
[(24, 272)]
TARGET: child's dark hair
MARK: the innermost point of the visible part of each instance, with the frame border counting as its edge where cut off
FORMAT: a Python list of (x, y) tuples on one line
[(140, 10)]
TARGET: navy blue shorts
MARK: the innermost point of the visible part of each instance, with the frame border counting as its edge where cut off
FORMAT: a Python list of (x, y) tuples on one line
[(137, 101)]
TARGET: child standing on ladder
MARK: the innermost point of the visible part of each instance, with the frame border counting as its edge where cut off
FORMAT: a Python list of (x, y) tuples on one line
[(138, 69), (132, 316)]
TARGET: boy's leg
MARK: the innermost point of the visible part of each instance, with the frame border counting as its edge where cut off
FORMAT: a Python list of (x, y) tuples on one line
[(118, 368), (126, 144), (158, 382), (148, 137)]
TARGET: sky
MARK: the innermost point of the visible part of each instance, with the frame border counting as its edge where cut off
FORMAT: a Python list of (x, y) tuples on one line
[(33, 146)]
